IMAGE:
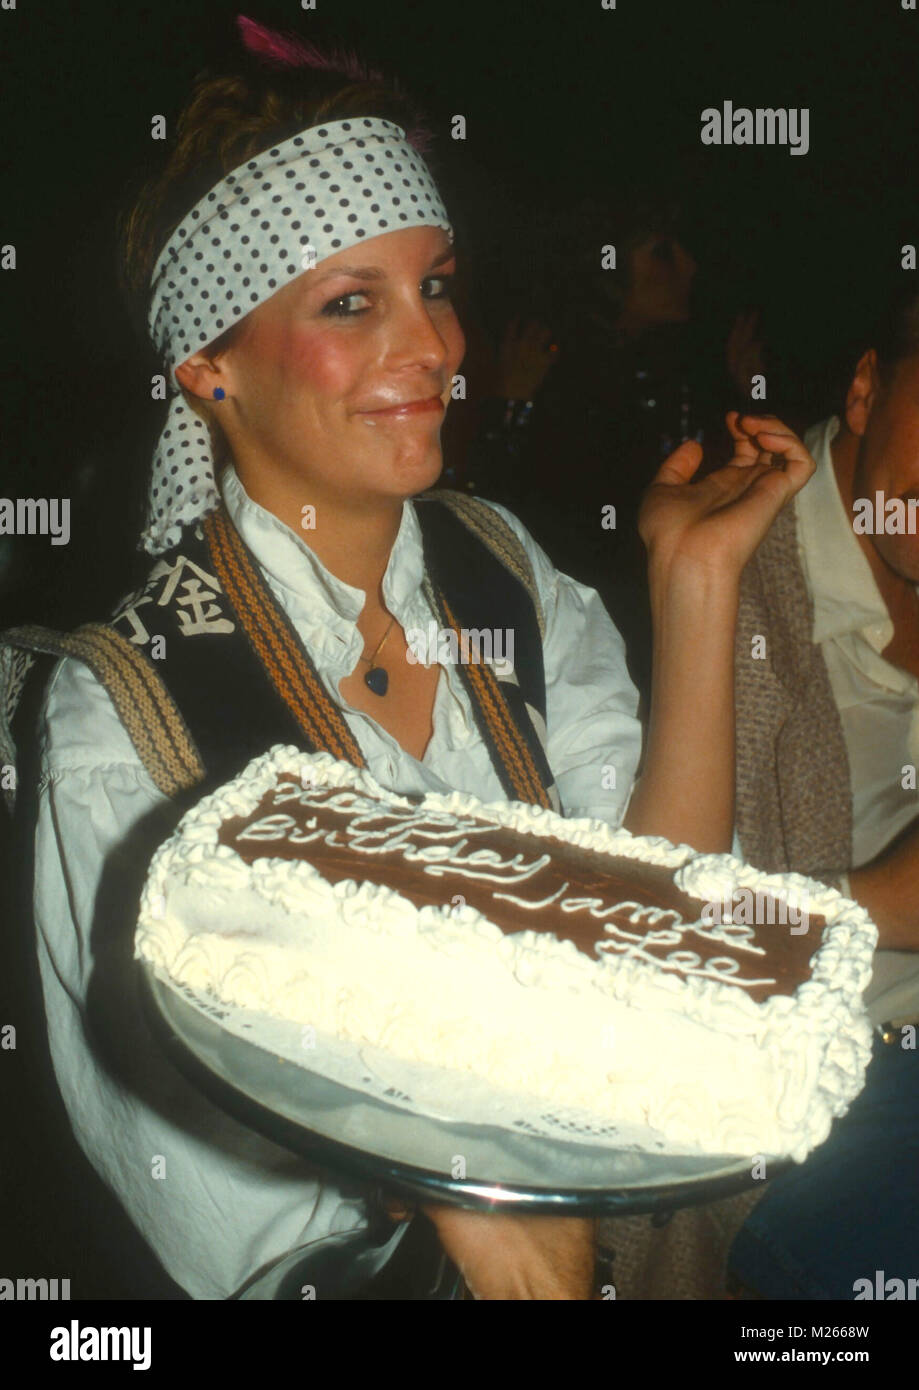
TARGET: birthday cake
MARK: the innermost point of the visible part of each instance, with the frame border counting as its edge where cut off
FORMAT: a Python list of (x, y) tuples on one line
[(615, 979)]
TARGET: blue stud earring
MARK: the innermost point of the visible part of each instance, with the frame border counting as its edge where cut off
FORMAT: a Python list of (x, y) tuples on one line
[(219, 393)]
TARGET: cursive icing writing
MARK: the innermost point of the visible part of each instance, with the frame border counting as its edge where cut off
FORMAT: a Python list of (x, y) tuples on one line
[(366, 835), (439, 844)]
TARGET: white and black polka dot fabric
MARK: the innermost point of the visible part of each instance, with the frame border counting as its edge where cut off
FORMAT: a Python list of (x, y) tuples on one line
[(266, 222)]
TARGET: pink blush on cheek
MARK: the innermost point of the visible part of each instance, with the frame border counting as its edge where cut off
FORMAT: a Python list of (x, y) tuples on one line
[(307, 358), (318, 361)]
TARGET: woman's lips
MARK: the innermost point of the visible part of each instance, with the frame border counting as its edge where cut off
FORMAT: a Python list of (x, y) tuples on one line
[(398, 412)]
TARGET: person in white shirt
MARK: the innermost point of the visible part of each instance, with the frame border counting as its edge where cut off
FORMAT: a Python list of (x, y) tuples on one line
[(853, 1207), (315, 397)]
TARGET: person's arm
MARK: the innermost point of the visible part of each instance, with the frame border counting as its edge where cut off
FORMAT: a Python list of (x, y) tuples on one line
[(888, 889), (213, 1200), (699, 538), (686, 790), (519, 1257)]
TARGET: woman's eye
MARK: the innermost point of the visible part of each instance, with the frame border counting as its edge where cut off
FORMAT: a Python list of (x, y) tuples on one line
[(445, 282), (334, 309), (342, 308)]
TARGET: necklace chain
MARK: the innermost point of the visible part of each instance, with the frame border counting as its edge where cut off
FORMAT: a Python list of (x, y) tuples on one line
[(379, 647)]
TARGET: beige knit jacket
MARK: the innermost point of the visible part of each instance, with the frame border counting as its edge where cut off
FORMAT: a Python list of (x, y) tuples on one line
[(794, 797)]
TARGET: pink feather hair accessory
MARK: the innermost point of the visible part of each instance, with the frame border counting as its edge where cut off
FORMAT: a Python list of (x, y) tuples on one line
[(290, 51)]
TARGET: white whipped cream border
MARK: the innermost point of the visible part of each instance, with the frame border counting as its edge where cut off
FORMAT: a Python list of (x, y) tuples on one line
[(825, 1013)]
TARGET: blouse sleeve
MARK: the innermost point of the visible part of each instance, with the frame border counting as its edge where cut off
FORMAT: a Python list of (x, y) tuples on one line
[(592, 725), (214, 1200)]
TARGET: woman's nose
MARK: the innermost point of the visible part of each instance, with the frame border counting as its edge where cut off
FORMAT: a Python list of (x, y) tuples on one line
[(416, 339)]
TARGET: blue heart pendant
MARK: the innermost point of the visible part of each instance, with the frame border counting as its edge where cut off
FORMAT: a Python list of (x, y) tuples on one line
[(377, 680)]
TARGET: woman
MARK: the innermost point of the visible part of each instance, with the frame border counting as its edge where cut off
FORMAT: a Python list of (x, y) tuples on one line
[(311, 345)]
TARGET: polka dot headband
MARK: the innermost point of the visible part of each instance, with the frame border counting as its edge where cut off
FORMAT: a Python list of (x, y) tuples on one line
[(268, 221)]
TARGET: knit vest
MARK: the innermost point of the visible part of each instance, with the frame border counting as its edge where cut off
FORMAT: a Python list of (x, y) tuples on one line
[(206, 670), (794, 798)]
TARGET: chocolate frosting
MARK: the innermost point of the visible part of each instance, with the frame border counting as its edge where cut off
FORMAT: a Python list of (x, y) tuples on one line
[(601, 902)]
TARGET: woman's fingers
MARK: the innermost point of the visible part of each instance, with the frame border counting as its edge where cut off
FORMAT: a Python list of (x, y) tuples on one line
[(758, 438), (767, 489), (721, 519), (799, 465), (746, 450), (721, 488), (680, 466)]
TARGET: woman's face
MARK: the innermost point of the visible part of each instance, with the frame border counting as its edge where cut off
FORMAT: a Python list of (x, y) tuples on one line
[(320, 377)]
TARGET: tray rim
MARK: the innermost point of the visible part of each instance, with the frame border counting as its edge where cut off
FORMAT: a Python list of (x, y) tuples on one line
[(730, 1173)]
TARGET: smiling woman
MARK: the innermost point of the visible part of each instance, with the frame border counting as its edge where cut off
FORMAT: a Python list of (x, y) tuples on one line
[(278, 89), (334, 396), (292, 265)]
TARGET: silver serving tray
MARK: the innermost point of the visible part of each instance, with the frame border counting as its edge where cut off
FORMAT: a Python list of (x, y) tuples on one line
[(348, 1132)]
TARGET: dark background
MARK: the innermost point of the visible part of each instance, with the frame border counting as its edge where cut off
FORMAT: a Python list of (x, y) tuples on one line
[(557, 98)]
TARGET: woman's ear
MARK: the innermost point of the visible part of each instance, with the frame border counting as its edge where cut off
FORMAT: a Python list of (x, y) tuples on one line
[(199, 376)]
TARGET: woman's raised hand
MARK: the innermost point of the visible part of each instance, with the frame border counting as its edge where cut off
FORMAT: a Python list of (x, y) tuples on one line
[(715, 525)]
